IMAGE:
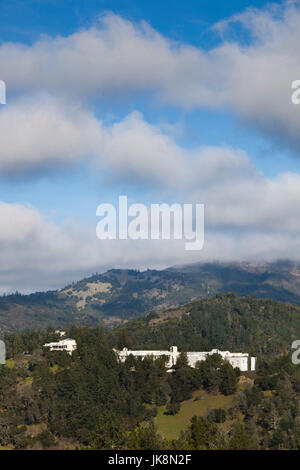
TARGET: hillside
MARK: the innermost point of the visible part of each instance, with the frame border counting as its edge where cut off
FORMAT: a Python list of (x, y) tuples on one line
[(225, 321), (170, 426), (90, 400), (119, 295)]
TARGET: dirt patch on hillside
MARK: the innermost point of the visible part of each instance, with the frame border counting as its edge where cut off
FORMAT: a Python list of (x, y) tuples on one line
[(91, 288)]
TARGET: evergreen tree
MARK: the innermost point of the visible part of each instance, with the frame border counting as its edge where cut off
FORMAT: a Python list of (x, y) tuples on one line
[(229, 379)]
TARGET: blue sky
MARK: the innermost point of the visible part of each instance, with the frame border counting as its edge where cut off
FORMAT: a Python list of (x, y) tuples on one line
[(109, 98), (26, 20)]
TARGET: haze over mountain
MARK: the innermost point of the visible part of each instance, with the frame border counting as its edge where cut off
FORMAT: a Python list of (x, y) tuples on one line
[(120, 295)]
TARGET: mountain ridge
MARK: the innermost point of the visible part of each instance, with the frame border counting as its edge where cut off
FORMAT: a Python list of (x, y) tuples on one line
[(119, 295)]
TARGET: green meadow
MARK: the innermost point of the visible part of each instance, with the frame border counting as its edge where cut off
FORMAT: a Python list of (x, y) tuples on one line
[(170, 426)]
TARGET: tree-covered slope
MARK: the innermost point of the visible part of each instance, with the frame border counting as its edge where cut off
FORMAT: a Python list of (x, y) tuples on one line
[(225, 321), (90, 400)]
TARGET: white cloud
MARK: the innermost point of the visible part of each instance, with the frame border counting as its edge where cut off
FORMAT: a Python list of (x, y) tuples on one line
[(256, 204), (43, 131), (116, 56), (37, 131), (135, 148)]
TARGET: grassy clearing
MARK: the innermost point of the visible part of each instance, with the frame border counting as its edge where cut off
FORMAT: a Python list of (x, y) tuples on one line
[(199, 405), (8, 447), (54, 369), (33, 430), (28, 379), (10, 363)]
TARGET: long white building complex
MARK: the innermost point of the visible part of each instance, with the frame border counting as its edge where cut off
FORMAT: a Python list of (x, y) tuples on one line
[(67, 344), (240, 360)]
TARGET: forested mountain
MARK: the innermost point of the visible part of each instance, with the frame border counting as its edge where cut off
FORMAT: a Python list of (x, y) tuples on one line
[(92, 401), (226, 321), (119, 295)]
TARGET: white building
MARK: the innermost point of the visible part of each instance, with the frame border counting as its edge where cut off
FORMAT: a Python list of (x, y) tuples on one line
[(60, 333), (239, 360), (67, 344)]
